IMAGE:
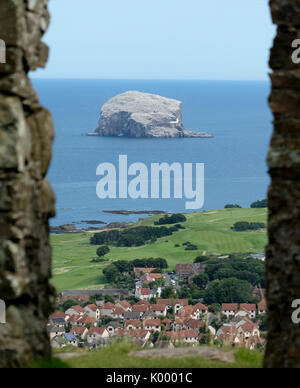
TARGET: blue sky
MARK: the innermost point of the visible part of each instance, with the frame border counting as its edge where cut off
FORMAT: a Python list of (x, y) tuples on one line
[(159, 39)]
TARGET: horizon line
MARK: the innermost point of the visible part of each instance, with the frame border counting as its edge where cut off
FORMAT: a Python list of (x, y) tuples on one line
[(148, 79)]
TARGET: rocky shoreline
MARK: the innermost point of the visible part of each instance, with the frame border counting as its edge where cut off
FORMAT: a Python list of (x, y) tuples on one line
[(71, 228)]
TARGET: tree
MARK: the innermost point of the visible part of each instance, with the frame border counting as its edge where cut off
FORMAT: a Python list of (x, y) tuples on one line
[(123, 266), (191, 247), (201, 259), (68, 304), (244, 226), (173, 219), (260, 204), (201, 281), (111, 273), (228, 291), (102, 251), (68, 327), (155, 337), (215, 308), (168, 293), (157, 270)]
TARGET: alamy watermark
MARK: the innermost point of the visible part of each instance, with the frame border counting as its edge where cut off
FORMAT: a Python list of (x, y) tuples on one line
[(138, 181), (296, 53), (2, 51), (2, 312), (296, 313)]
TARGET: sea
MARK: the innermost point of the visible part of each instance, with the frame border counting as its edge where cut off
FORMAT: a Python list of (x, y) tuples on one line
[(236, 113)]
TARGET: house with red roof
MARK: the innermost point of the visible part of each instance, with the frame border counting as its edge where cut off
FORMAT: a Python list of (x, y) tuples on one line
[(200, 309), (229, 334), (75, 310), (140, 336), (84, 320), (150, 278), (250, 309), (229, 309), (107, 309), (177, 304), (79, 332), (185, 336), (124, 305), (139, 272), (133, 324), (153, 325), (92, 311), (147, 294), (193, 324), (143, 302), (249, 330), (189, 312), (118, 313), (262, 307), (179, 324), (59, 315), (96, 333), (159, 310), (141, 309)]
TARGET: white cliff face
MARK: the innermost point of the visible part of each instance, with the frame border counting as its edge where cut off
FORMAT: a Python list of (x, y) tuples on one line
[(138, 115)]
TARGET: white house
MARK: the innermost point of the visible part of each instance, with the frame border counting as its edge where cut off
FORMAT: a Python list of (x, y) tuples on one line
[(124, 305), (118, 313), (93, 311), (79, 332), (71, 339), (262, 307), (200, 309), (75, 310), (153, 325), (229, 309), (96, 334), (159, 310), (112, 327), (249, 330), (250, 309), (107, 309), (56, 331)]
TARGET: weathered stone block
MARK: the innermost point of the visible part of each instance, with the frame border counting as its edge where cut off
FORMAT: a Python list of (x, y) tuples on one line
[(14, 136)]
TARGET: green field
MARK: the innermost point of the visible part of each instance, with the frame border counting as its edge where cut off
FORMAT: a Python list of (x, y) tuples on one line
[(210, 231)]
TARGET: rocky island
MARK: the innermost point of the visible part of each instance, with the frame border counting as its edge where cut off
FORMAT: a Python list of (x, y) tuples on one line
[(142, 115)]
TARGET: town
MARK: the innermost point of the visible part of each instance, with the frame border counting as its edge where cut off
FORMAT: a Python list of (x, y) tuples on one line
[(92, 319)]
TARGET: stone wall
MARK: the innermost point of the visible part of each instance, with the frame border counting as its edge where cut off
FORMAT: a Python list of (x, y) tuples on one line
[(26, 198), (283, 252)]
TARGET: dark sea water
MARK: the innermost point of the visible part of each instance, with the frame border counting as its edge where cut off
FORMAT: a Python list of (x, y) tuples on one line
[(236, 113)]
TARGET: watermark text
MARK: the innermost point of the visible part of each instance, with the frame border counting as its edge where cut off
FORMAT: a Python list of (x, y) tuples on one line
[(2, 312), (296, 53), (2, 51), (161, 181)]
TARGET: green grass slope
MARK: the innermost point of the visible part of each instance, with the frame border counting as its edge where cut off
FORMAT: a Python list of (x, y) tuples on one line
[(210, 231), (119, 356)]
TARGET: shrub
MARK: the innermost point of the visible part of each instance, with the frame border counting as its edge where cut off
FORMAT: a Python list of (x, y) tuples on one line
[(246, 226), (173, 219), (260, 204), (137, 236), (102, 251), (191, 247)]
